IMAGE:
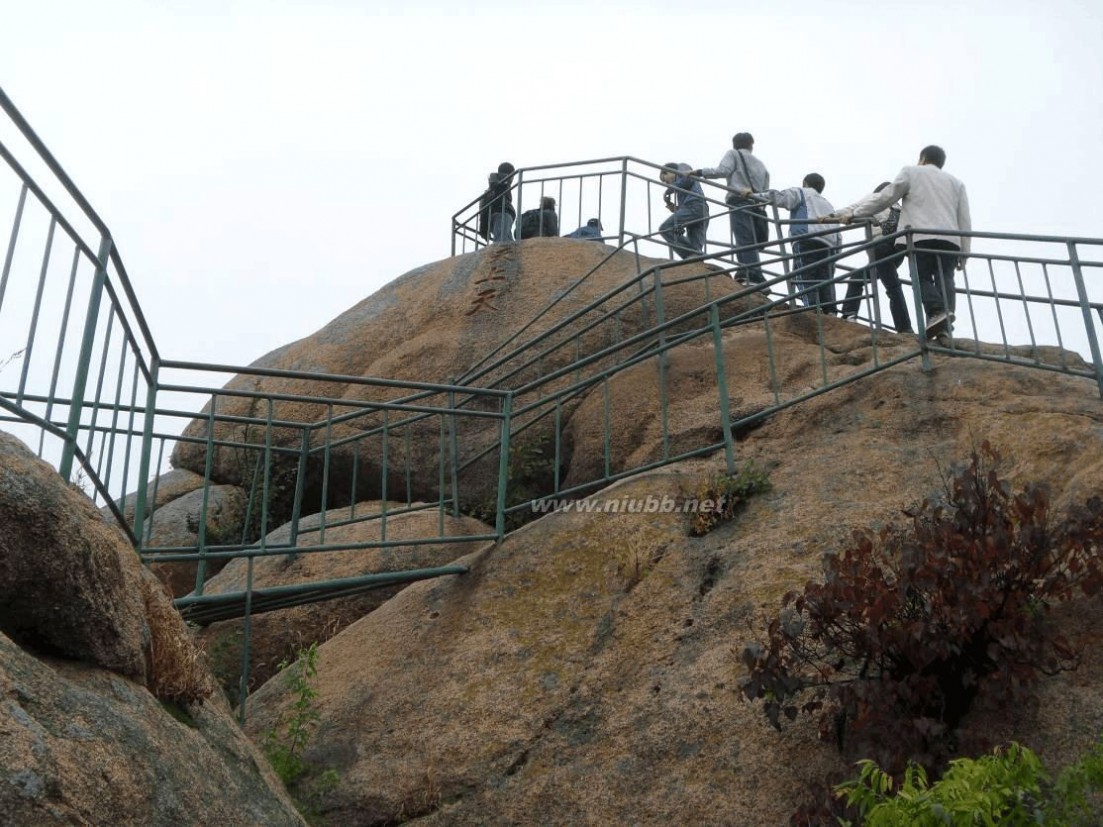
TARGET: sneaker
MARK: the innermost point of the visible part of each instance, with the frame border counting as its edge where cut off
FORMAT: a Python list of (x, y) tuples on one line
[(938, 323), (850, 317)]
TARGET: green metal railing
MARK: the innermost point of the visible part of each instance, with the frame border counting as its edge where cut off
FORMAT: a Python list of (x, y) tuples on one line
[(82, 380)]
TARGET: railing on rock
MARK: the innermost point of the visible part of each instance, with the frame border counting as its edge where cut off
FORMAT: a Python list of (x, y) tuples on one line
[(317, 457), (71, 328)]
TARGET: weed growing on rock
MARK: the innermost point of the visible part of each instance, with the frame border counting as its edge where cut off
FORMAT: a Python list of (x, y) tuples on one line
[(285, 743), (530, 476), (727, 494)]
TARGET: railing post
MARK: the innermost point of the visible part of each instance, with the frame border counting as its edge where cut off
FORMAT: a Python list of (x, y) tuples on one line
[(300, 485), (80, 384), (917, 295), (201, 530), (722, 387), (1085, 307), (147, 448), (503, 467), (623, 200), (660, 320)]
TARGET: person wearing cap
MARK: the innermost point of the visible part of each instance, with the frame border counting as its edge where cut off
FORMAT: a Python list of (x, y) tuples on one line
[(749, 226), (592, 230), (934, 202)]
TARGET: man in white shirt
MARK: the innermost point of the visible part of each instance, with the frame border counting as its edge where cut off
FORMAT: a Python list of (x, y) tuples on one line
[(935, 203)]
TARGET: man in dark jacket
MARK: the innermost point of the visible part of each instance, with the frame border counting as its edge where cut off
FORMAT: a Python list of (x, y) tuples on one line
[(496, 213)]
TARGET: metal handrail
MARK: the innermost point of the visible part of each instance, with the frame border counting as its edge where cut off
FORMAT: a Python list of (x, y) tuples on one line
[(107, 428)]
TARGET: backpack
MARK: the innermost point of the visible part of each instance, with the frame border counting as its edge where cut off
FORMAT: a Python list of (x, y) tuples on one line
[(889, 225), (530, 223)]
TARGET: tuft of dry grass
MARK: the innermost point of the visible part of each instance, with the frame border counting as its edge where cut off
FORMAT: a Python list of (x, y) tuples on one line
[(176, 672)]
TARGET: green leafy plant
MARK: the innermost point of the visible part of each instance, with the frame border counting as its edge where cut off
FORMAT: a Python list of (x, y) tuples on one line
[(285, 743), (530, 476), (910, 624), (1008, 787), (726, 495)]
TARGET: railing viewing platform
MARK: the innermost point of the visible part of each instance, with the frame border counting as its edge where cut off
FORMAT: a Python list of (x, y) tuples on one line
[(84, 385)]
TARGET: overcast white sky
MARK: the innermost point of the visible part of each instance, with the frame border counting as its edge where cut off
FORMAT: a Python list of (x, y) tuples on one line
[(265, 165)]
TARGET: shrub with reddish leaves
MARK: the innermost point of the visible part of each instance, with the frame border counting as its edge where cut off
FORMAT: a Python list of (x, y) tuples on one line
[(911, 623)]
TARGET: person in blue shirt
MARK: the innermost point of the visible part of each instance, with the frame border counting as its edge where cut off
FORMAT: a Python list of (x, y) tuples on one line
[(592, 230), (685, 230)]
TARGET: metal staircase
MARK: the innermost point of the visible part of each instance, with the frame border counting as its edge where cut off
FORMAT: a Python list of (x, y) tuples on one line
[(83, 383)]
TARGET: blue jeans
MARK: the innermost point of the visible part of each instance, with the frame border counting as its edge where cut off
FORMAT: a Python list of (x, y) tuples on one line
[(685, 230), (501, 227), (743, 223), (810, 254)]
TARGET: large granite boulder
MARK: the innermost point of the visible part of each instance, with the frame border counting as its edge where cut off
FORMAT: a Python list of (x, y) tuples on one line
[(175, 525), (164, 489), (70, 584), (278, 636), (801, 357), (586, 668), (107, 715), (435, 324)]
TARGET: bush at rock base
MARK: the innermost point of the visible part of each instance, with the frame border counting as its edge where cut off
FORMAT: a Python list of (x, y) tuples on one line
[(891, 650)]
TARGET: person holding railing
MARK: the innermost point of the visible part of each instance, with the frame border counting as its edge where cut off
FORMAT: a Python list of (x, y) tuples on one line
[(930, 200), (805, 204), (686, 229), (748, 219), (884, 262)]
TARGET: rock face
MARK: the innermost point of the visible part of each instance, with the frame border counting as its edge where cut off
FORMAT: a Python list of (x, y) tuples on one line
[(68, 581), (81, 745), (433, 325), (586, 668), (279, 635), (176, 525), (92, 659), (165, 489)]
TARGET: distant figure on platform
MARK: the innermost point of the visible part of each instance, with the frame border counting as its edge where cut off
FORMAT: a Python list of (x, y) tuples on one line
[(541, 222), (807, 202), (496, 213), (592, 230), (686, 229)]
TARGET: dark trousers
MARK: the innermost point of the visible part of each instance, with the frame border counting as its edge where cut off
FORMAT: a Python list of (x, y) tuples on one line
[(815, 274), (749, 227), (884, 262), (935, 263)]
